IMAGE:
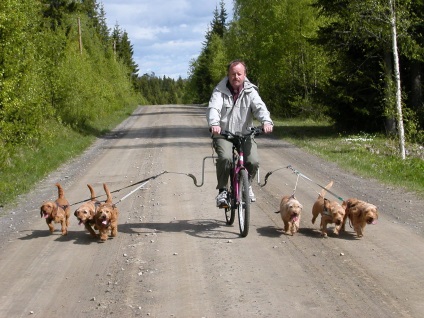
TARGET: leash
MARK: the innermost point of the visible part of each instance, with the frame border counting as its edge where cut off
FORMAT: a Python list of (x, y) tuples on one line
[(309, 179), (144, 181), (299, 174)]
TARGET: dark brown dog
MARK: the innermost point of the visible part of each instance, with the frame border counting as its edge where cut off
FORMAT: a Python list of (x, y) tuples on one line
[(87, 211), (107, 217), (331, 212), (360, 213), (58, 211), (290, 211)]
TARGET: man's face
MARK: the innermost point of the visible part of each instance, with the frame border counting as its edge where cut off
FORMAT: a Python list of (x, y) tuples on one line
[(236, 75)]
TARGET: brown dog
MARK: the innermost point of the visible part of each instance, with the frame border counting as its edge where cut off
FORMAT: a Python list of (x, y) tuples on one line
[(58, 211), (331, 212), (290, 211), (106, 218), (86, 212), (360, 213)]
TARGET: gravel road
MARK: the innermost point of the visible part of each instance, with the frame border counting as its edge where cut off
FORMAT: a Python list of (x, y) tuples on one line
[(174, 256)]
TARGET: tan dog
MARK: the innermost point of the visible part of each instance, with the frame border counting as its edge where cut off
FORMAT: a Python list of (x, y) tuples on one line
[(58, 211), (360, 213), (331, 212), (86, 212), (290, 211), (107, 217)]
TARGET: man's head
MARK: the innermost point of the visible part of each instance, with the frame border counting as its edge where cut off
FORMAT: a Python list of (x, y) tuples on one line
[(236, 74)]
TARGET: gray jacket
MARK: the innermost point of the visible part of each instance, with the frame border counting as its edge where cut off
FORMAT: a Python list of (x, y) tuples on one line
[(236, 117)]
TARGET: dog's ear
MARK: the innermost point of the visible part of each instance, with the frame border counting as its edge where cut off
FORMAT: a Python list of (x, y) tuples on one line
[(41, 211)]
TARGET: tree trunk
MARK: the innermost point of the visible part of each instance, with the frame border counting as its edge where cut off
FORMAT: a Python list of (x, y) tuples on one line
[(397, 79)]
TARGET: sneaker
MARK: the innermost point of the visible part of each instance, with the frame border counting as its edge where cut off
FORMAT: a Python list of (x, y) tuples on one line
[(251, 195), (221, 200)]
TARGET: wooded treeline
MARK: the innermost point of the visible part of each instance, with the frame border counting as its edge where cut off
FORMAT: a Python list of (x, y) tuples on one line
[(315, 58), (60, 66)]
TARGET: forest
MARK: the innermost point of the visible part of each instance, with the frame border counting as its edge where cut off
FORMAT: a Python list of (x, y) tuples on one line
[(322, 59), (332, 60)]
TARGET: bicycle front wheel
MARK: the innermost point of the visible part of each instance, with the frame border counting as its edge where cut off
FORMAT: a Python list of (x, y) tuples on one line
[(243, 207)]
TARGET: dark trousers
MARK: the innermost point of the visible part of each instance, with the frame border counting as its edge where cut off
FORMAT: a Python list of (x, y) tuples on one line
[(223, 148)]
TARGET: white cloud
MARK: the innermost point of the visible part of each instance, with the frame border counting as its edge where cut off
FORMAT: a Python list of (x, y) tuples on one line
[(165, 34), (139, 33)]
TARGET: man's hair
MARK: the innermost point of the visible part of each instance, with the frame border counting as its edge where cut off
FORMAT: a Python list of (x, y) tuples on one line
[(235, 62)]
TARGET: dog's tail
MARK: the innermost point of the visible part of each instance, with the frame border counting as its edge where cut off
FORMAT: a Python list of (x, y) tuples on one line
[(328, 186), (109, 196), (60, 192), (92, 194)]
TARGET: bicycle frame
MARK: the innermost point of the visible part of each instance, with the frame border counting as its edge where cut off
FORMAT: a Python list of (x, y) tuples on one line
[(238, 164), (239, 183)]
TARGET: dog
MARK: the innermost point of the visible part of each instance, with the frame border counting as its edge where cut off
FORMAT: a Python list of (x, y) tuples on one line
[(360, 213), (331, 212), (106, 218), (87, 211), (290, 211), (57, 211)]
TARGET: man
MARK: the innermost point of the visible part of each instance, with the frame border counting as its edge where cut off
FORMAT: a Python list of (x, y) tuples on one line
[(232, 106)]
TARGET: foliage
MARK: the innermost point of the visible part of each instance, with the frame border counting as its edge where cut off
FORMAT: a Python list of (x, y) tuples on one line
[(160, 91), (209, 67), (323, 59), (46, 77)]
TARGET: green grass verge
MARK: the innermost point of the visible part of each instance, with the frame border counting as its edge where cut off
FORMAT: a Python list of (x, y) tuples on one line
[(29, 165), (371, 156)]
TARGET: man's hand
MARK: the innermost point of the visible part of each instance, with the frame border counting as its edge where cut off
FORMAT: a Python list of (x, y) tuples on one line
[(267, 128), (216, 130)]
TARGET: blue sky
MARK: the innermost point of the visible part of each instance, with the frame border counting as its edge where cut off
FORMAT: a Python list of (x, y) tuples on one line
[(165, 34)]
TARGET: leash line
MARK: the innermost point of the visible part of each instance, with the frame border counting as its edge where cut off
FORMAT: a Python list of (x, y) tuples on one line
[(309, 179), (144, 181), (299, 174)]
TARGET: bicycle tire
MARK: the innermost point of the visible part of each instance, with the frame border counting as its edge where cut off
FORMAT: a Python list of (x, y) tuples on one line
[(243, 207), (230, 212)]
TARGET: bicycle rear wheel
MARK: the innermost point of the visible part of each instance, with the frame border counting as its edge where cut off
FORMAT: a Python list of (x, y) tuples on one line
[(243, 207)]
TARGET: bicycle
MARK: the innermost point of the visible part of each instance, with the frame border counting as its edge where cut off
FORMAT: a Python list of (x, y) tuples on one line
[(238, 190)]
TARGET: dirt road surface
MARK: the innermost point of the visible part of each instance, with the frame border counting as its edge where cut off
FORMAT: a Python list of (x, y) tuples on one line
[(174, 256)]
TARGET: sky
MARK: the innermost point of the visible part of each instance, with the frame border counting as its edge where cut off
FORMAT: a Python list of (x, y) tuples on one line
[(165, 34)]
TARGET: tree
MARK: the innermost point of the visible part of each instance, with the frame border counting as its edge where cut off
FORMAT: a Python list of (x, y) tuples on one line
[(275, 40), (124, 52), (209, 67)]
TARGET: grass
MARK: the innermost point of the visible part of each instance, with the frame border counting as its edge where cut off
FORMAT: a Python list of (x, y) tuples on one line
[(371, 156), (29, 165)]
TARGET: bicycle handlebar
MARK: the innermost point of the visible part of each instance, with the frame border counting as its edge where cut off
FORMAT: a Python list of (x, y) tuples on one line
[(253, 131)]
